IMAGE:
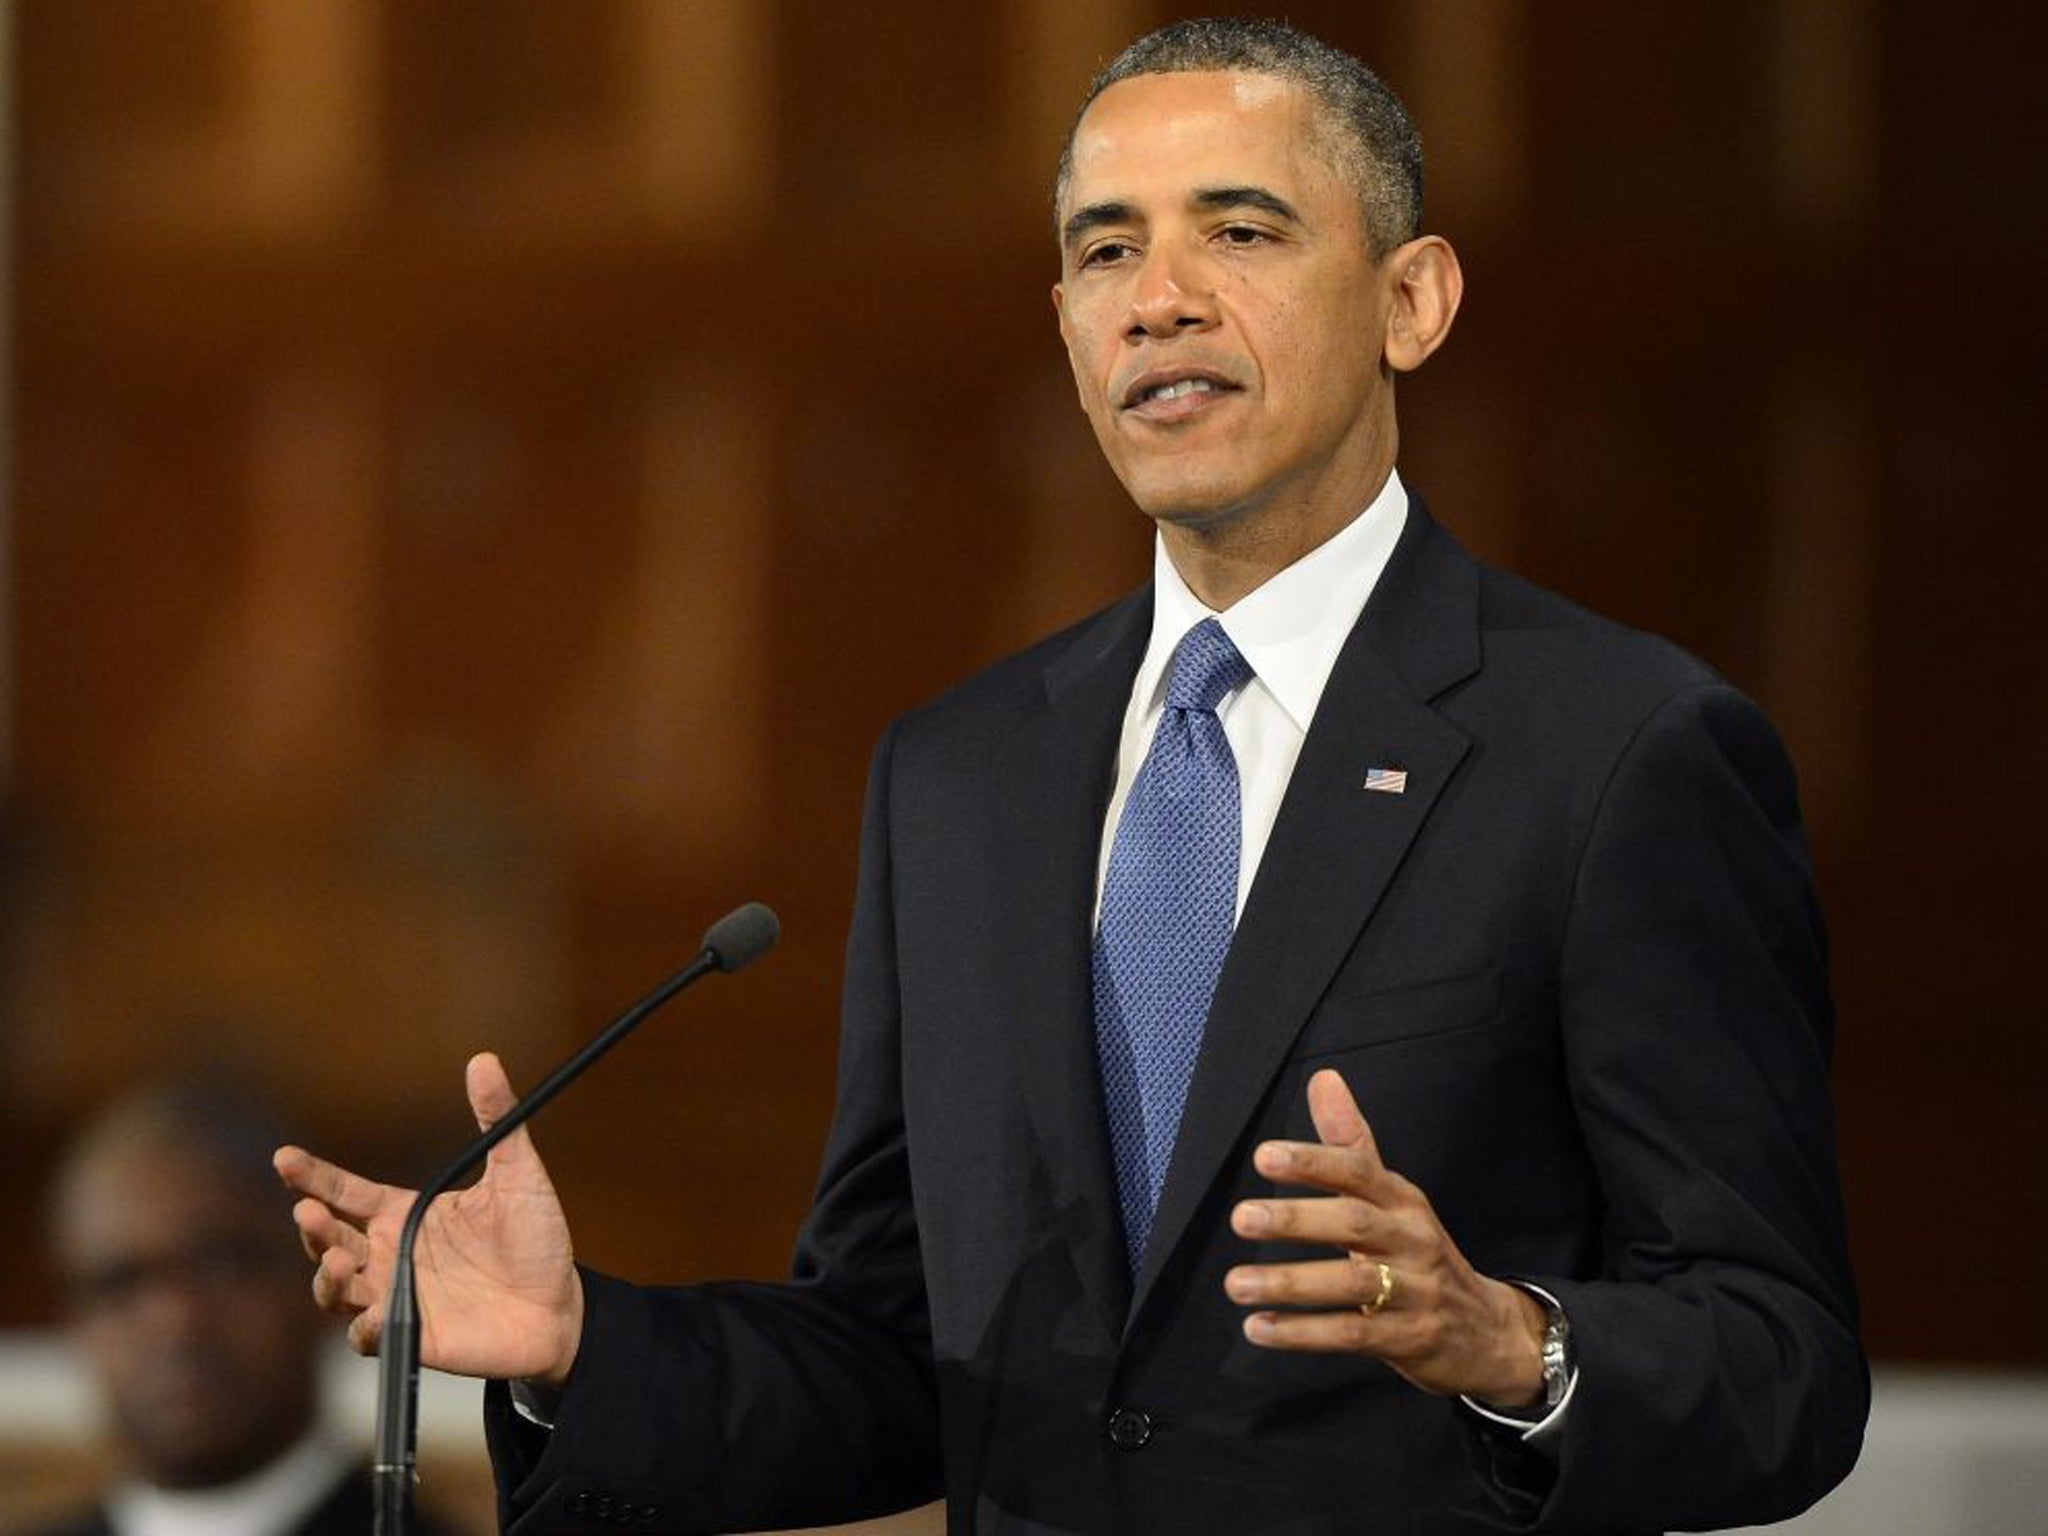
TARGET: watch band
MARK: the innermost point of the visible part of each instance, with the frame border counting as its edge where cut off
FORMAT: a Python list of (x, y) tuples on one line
[(1557, 1351)]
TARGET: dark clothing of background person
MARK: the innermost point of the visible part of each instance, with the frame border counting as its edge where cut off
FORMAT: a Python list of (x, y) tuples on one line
[(348, 1511)]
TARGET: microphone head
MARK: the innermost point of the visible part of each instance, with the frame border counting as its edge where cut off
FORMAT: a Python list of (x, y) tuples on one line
[(742, 936)]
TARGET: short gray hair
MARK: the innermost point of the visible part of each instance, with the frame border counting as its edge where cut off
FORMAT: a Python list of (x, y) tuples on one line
[(1372, 143)]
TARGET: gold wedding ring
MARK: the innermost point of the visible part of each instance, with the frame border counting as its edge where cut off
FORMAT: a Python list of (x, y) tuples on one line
[(1372, 1308)]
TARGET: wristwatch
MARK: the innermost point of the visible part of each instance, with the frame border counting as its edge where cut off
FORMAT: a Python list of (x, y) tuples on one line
[(1557, 1350)]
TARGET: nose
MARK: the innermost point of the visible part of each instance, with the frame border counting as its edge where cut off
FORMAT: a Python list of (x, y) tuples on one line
[(171, 1310), (1172, 295)]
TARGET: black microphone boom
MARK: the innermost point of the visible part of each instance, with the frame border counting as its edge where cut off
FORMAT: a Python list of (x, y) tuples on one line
[(739, 938)]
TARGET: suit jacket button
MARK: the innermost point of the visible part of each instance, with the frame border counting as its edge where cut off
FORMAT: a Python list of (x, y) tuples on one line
[(1129, 1428)]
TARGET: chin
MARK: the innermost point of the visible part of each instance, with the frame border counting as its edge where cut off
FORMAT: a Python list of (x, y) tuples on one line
[(1186, 501), (196, 1467), (1197, 516), (207, 1451)]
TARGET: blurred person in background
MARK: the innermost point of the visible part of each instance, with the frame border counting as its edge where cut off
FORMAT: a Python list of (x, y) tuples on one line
[(189, 1306)]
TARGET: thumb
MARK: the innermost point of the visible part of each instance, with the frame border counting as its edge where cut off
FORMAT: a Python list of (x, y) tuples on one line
[(1338, 1120), (490, 1090), (490, 1099)]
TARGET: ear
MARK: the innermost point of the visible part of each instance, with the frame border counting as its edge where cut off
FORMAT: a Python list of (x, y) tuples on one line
[(1427, 284)]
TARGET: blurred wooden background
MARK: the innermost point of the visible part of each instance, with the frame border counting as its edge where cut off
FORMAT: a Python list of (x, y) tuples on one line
[(484, 471)]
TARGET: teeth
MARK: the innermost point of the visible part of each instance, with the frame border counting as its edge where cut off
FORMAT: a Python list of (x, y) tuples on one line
[(1183, 387)]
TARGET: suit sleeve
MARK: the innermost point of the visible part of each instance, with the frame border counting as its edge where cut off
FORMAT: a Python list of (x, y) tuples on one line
[(1721, 1380), (739, 1406)]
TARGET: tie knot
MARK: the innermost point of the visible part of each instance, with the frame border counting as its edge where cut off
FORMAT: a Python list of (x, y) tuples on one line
[(1206, 666)]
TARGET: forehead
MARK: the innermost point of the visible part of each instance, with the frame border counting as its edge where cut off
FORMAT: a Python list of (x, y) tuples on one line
[(134, 1200), (1160, 136)]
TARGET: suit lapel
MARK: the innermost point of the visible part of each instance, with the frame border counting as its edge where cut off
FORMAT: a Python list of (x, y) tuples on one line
[(1052, 828), (1334, 848)]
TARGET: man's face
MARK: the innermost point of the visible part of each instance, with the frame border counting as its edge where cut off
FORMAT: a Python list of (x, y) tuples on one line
[(1221, 308), (191, 1310)]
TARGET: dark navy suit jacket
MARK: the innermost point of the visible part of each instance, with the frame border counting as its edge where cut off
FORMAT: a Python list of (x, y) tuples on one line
[(1575, 976)]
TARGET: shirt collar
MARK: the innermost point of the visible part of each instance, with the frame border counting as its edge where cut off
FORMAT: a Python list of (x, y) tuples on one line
[(1291, 627), (276, 1498)]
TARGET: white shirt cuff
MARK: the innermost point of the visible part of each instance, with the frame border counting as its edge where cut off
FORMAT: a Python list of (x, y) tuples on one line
[(1542, 1433), (535, 1403)]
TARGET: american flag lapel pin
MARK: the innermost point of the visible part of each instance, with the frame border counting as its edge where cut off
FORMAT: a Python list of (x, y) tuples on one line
[(1387, 781)]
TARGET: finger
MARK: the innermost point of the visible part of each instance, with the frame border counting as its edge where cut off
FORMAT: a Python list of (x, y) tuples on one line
[(1348, 1282), (1347, 1331), (345, 1288), (1338, 1221), (335, 1284), (335, 1187), (365, 1330), (1310, 1165), (320, 1229), (1347, 1158)]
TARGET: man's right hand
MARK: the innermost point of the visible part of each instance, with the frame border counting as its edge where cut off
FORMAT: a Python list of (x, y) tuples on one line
[(499, 1295)]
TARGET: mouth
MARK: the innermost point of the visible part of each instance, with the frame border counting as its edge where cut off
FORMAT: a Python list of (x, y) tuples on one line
[(1175, 394)]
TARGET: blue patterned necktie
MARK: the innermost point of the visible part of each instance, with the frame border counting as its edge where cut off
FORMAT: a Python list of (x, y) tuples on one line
[(1169, 904)]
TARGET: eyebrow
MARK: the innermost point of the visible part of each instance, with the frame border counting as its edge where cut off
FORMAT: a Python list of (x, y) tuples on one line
[(1097, 215), (1094, 216), (1247, 197)]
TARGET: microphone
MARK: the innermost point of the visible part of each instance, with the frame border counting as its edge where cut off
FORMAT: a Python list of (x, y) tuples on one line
[(741, 937), (737, 939)]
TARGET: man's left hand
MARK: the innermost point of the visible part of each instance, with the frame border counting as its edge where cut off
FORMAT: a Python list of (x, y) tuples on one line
[(1401, 1291)]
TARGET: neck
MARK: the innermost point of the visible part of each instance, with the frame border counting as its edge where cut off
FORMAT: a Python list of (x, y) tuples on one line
[(1224, 554), (1226, 558)]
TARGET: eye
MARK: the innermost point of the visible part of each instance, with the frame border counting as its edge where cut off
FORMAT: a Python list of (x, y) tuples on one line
[(1242, 235), (1104, 254)]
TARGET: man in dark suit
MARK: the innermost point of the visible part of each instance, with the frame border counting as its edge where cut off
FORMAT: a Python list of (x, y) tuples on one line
[(1336, 1042), (191, 1314)]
